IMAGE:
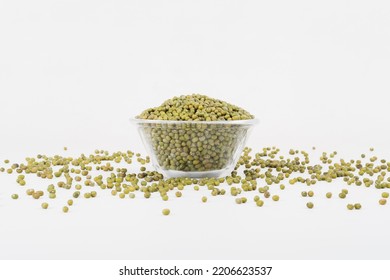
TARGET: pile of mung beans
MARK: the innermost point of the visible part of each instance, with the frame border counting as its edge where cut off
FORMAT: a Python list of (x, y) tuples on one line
[(195, 107), (194, 132), (257, 174)]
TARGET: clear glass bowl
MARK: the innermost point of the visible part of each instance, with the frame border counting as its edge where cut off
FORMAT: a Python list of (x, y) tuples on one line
[(194, 149)]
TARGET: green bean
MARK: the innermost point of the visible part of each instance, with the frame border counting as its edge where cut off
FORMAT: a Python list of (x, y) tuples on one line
[(259, 203), (357, 206), (342, 195)]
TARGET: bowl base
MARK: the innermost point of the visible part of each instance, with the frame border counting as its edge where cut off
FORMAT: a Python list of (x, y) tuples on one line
[(196, 174)]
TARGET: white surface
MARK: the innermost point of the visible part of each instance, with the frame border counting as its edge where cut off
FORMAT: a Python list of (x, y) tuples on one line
[(315, 73)]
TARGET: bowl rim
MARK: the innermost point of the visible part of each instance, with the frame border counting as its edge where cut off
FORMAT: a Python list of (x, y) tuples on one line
[(253, 121)]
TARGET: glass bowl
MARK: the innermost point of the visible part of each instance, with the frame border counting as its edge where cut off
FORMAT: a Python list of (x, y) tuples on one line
[(194, 149)]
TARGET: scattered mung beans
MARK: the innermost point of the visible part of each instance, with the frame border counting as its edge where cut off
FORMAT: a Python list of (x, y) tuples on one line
[(261, 171)]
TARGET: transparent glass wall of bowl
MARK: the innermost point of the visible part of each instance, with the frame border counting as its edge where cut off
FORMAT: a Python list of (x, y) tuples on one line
[(194, 148)]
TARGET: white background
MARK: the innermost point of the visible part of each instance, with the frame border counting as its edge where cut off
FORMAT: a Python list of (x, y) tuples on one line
[(316, 73)]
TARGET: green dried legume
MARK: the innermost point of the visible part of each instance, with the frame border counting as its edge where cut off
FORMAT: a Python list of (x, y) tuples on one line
[(357, 206), (382, 201), (259, 203)]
